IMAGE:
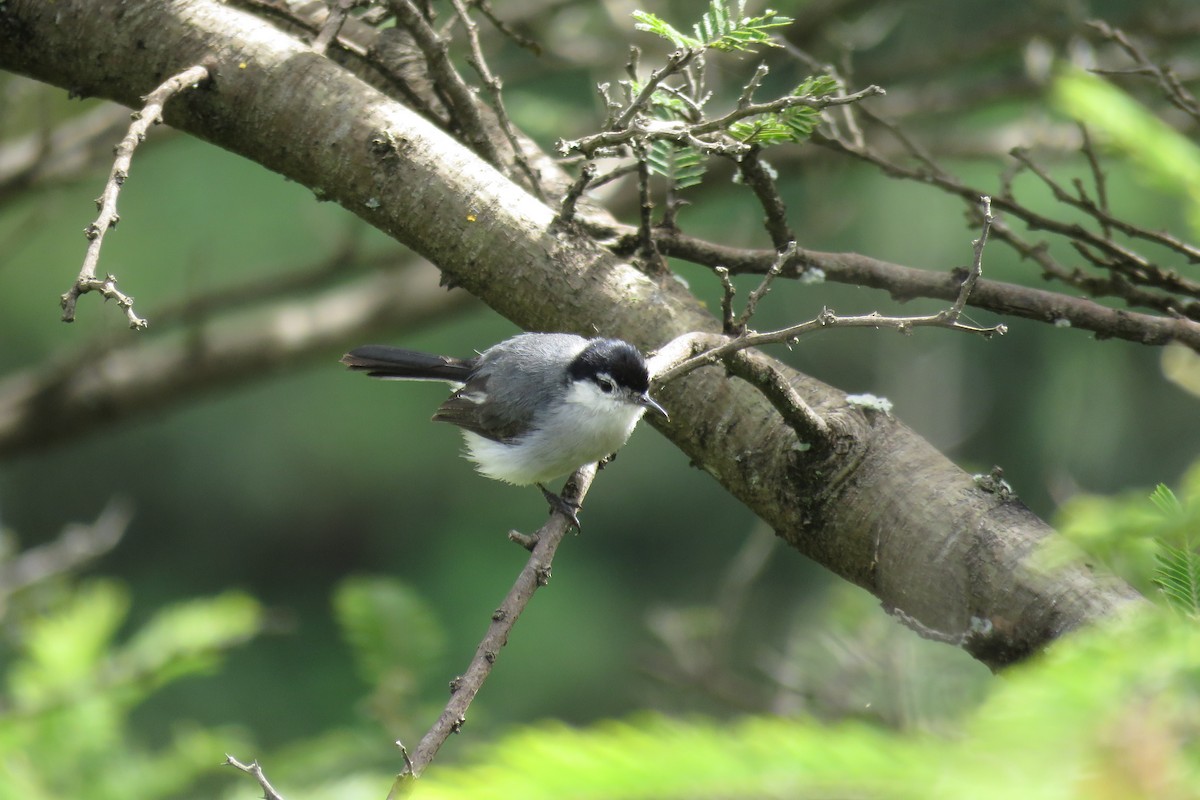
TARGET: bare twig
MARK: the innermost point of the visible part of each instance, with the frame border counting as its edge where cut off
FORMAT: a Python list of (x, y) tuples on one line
[(728, 292), (494, 86), (255, 770), (1139, 268), (76, 545), (743, 338), (1123, 255), (755, 175), (905, 282), (566, 211), (826, 320), (646, 250), (338, 11), (1172, 88), (785, 254), (520, 40), (151, 114), (972, 278), (534, 575), (437, 54)]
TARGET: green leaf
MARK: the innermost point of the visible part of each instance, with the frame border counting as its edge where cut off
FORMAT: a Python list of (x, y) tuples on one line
[(683, 166), (1178, 576), (655, 757), (718, 29), (390, 627), (1166, 501), (821, 85), (65, 648), (766, 129), (658, 26), (187, 638)]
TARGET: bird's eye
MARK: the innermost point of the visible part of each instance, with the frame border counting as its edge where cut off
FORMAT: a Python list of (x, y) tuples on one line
[(606, 385)]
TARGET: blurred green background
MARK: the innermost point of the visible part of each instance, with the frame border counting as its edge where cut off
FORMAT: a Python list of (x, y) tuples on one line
[(285, 486)]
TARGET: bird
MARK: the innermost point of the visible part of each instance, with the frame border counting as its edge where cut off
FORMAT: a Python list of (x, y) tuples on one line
[(533, 407)]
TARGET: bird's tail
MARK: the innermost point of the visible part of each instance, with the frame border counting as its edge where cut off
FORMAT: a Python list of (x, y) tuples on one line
[(382, 361)]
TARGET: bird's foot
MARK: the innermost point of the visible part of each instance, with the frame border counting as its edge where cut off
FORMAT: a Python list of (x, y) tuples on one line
[(561, 506)]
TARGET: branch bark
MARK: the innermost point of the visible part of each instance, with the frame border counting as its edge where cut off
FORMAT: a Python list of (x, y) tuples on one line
[(884, 510)]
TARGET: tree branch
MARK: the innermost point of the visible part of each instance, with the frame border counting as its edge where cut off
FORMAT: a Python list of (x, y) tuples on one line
[(151, 114), (885, 510), (76, 545), (534, 575), (97, 390), (904, 283), (254, 770)]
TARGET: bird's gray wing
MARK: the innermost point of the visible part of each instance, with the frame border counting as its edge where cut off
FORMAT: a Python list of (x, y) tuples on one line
[(466, 409)]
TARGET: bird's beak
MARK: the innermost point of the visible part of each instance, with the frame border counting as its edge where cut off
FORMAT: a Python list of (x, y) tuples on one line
[(648, 402)]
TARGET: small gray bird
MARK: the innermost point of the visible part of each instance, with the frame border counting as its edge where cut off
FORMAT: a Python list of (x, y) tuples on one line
[(534, 407)]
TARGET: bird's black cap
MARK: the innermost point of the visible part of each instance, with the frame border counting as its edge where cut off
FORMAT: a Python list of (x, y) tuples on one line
[(620, 360)]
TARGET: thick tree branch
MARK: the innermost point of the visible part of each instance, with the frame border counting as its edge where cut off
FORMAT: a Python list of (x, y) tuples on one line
[(885, 510)]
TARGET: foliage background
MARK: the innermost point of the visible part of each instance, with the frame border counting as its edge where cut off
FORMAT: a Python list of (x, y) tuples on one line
[(286, 487)]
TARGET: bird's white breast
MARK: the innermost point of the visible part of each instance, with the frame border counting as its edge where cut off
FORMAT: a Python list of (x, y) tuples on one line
[(587, 427)]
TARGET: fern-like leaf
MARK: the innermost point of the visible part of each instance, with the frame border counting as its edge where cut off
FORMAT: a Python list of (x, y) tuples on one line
[(766, 129), (794, 124), (660, 27), (683, 166), (1178, 575), (1166, 501), (718, 29)]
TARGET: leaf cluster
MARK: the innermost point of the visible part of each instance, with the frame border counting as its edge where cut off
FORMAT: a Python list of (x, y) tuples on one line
[(726, 30), (791, 125), (1109, 712), (718, 29), (1152, 544), (69, 690)]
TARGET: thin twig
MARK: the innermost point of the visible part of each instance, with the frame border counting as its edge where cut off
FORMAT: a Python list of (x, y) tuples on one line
[(629, 128), (826, 320), (520, 40), (764, 286), (728, 291), (494, 87), (684, 362), (646, 249), (755, 175), (76, 545), (675, 62), (534, 575), (1099, 179), (106, 204), (256, 771), (1168, 81), (972, 278), (338, 11), (463, 100), (566, 211), (905, 283), (1123, 255)]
